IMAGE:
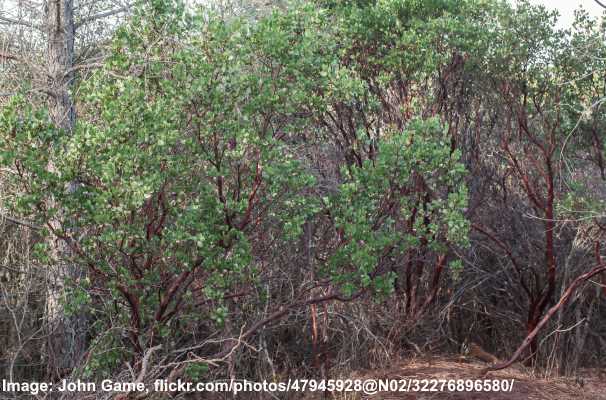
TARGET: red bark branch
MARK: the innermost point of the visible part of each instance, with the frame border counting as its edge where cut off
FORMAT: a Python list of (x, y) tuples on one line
[(170, 294), (532, 335)]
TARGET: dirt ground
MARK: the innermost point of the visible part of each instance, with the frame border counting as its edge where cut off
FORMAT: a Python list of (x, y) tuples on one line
[(591, 386)]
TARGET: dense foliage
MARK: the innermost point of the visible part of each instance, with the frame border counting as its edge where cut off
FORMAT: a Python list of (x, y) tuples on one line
[(224, 174)]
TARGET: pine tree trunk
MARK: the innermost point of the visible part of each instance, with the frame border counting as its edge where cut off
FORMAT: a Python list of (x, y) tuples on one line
[(67, 334), (60, 61)]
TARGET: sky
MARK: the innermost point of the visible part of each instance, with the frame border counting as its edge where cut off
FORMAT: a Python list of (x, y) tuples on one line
[(566, 9)]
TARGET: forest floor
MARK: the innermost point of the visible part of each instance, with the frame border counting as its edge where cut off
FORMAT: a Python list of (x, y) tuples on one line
[(592, 385)]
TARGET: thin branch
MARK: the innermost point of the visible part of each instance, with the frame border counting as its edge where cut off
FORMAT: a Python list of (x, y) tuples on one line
[(11, 21), (83, 66), (103, 14), (7, 56), (284, 310), (507, 251), (45, 91), (145, 362), (563, 300), (21, 222)]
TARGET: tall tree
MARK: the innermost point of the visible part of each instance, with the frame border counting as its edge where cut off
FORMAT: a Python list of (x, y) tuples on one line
[(49, 32)]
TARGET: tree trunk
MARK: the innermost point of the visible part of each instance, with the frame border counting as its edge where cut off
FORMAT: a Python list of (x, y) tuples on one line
[(67, 334), (60, 61)]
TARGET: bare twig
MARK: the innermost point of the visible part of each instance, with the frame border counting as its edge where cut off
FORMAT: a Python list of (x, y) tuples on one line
[(563, 300), (21, 222), (103, 14), (145, 362), (11, 21)]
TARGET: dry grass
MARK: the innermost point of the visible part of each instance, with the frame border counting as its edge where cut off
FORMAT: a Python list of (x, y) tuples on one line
[(526, 386)]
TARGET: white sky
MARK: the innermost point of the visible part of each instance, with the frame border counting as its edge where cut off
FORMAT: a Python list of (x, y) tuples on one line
[(566, 9)]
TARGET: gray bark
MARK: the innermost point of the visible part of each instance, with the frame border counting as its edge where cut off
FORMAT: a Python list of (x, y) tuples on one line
[(60, 31), (53, 24), (67, 334)]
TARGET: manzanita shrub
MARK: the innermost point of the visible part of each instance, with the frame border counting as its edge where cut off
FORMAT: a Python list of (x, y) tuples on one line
[(187, 154), (378, 202)]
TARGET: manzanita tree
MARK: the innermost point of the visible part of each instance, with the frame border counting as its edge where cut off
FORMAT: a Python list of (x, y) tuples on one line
[(195, 153), (179, 157)]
